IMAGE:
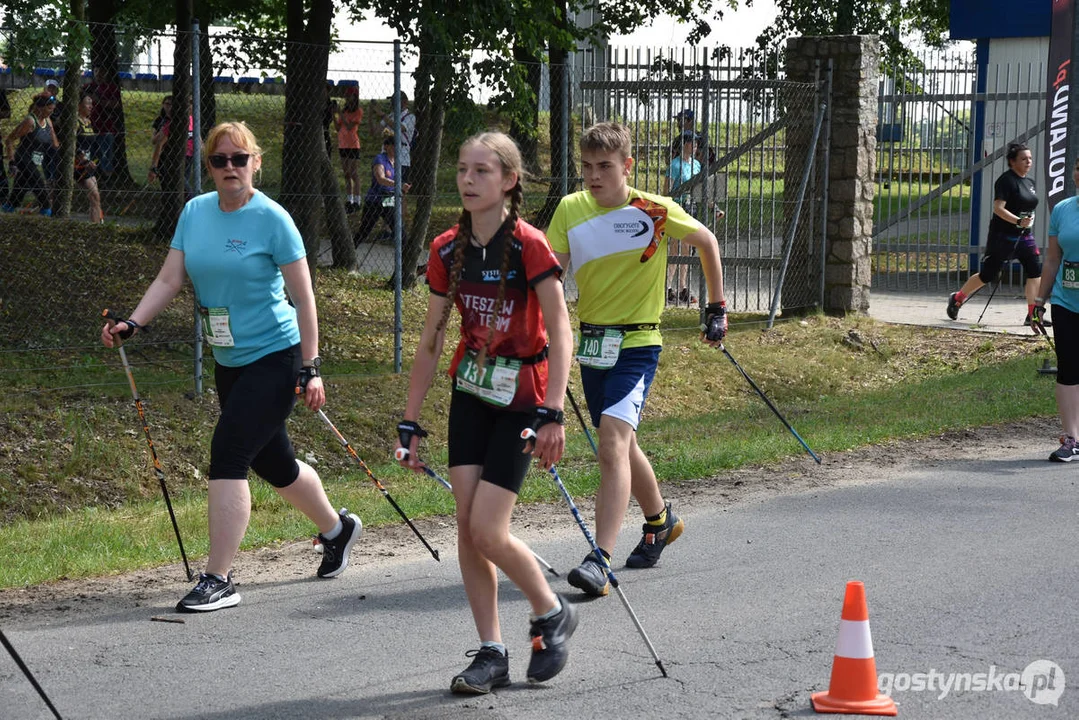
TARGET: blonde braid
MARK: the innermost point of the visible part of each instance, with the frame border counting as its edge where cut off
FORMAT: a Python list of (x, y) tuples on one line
[(516, 200), (460, 241)]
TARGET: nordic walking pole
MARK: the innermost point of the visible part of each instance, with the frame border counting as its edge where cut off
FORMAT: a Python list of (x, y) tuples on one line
[(159, 472), (529, 434), (29, 675), (769, 403), (995, 287), (385, 493), (580, 419), (446, 484)]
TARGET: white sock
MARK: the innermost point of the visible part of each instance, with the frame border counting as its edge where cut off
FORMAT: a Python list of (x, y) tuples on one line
[(494, 645), (335, 531), (553, 611)]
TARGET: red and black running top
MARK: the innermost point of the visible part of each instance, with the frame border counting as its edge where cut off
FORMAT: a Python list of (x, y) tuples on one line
[(519, 332)]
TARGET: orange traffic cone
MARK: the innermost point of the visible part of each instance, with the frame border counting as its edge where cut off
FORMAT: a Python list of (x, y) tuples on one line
[(853, 688)]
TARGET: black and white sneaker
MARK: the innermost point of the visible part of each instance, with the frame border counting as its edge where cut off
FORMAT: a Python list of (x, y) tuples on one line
[(590, 577), (549, 639), (953, 306), (335, 552), (488, 670), (1068, 450), (210, 593)]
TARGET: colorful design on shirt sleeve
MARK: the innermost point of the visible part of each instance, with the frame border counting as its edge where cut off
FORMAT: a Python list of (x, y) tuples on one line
[(658, 215)]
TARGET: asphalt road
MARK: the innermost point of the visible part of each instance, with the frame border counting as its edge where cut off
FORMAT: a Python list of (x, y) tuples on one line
[(968, 562)]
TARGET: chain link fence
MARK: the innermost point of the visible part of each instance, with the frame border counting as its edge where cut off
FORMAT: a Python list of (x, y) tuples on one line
[(328, 134)]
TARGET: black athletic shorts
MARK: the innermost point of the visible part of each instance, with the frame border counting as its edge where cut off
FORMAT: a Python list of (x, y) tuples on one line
[(999, 249), (349, 153), (1066, 336), (250, 434), (482, 434)]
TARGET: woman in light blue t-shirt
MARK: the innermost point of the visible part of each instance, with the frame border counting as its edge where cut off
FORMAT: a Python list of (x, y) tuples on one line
[(1061, 277), (242, 251)]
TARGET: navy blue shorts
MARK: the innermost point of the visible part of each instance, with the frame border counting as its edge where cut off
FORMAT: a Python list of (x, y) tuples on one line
[(620, 391), (250, 434), (488, 436)]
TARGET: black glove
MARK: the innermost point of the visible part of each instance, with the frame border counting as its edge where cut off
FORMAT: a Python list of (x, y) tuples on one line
[(406, 430), (715, 321), (1037, 316), (306, 373), (127, 332), (540, 417)]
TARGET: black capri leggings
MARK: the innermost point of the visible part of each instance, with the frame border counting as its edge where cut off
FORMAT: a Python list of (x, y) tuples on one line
[(250, 434), (1066, 336), (999, 249), (372, 211)]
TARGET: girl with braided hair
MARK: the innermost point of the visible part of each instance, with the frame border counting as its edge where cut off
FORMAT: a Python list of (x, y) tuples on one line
[(504, 280)]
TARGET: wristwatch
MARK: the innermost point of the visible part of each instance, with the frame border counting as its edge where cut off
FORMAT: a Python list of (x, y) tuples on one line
[(315, 362)]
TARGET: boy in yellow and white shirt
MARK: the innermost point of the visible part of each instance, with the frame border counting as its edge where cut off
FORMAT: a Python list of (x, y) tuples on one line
[(617, 238)]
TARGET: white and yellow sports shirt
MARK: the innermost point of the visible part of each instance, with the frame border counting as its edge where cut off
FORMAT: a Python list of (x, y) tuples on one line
[(619, 257)]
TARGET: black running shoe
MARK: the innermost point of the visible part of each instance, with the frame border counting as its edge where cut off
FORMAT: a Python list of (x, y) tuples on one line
[(549, 639), (1068, 450), (489, 669), (589, 577), (654, 539), (210, 593), (335, 552), (953, 306)]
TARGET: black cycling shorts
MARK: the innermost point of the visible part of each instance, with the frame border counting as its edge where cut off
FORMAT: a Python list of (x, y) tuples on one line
[(999, 249), (482, 434), (1066, 336), (250, 434)]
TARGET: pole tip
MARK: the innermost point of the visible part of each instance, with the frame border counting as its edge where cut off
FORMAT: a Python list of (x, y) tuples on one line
[(659, 664)]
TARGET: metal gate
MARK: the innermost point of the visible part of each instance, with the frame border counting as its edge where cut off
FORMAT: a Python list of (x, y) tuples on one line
[(744, 113), (942, 134)]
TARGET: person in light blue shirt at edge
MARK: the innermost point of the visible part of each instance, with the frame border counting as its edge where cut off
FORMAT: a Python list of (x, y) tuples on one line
[(1061, 275), (684, 166), (242, 251)]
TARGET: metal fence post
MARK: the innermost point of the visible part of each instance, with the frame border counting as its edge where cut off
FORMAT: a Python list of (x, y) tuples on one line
[(797, 213), (399, 216), (196, 111)]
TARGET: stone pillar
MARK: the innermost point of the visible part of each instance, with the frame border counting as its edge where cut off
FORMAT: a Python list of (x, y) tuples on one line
[(852, 148)]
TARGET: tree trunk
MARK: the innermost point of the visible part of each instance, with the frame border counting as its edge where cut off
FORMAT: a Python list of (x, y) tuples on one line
[(171, 163), (65, 132), (527, 134), (430, 109), (336, 222), (559, 170), (207, 95), (306, 64)]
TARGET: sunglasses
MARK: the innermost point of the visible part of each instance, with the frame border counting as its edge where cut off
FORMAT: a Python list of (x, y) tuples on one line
[(238, 160)]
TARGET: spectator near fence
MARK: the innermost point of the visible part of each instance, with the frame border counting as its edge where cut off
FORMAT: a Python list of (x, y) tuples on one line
[(681, 170), (86, 157), (379, 200), (106, 116), (36, 138), (347, 121), (408, 133), (189, 152)]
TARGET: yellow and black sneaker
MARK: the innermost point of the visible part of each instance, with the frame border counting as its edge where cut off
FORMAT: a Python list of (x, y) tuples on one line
[(654, 539)]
